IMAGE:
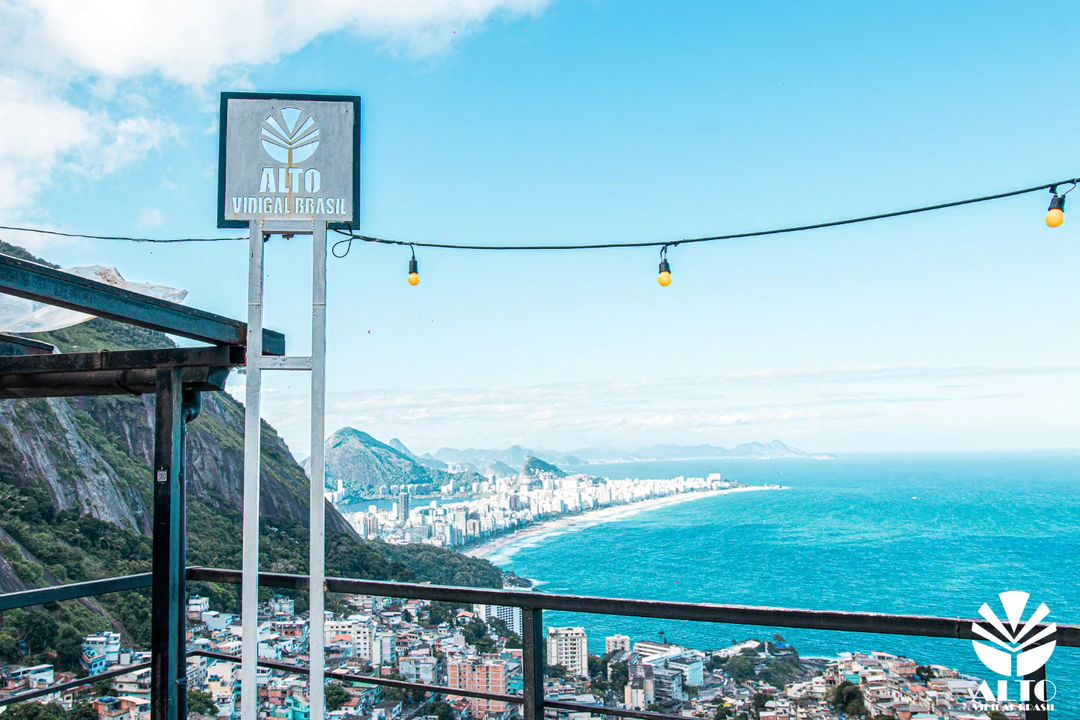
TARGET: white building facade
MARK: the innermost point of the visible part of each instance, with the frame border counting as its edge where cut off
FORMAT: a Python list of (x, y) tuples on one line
[(569, 647)]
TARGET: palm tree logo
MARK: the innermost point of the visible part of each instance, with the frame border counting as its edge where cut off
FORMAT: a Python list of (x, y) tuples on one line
[(290, 135), (1015, 647)]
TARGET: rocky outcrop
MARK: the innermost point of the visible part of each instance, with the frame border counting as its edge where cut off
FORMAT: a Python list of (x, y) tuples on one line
[(363, 466)]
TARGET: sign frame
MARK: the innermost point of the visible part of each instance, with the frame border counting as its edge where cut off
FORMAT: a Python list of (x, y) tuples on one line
[(223, 131)]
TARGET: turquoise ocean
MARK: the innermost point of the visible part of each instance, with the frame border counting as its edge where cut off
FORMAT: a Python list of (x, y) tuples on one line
[(926, 534)]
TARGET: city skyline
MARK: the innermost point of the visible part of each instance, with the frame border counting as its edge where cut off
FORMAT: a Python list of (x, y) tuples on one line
[(537, 122)]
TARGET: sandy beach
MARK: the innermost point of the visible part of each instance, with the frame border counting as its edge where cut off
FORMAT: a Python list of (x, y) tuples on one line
[(499, 550)]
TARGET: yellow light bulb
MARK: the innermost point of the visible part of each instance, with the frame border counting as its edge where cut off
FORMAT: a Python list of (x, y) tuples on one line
[(414, 279), (1055, 217), (664, 279)]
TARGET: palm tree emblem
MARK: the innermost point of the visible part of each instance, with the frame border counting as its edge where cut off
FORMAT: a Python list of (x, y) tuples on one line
[(1015, 647), (290, 135)]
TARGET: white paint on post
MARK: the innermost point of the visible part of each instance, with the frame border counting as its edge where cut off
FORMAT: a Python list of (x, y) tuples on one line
[(316, 563), (249, 696), (289, 164)]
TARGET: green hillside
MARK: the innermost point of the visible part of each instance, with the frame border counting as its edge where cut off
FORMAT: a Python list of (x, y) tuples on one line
[(75, 488)]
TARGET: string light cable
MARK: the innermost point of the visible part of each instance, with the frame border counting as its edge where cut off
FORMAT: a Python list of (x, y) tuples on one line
[(1055, 217), (125, 238), (350, 236)]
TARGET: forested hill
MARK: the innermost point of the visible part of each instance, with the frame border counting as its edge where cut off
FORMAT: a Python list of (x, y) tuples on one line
[(75, 493)]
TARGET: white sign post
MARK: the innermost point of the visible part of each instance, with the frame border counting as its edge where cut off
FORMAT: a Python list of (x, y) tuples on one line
[(289, 164)]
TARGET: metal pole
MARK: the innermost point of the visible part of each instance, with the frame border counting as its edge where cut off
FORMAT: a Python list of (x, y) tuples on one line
[(317, 539), (166, 655), (249, 692), (1036, 712), (190, 408), (532, 663)]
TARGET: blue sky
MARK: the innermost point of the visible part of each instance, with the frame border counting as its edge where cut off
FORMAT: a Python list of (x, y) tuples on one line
[(522, 121)]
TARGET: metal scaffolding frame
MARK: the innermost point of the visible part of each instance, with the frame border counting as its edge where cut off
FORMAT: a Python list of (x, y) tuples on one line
[(176, 377), (256, 362), (250, 129)]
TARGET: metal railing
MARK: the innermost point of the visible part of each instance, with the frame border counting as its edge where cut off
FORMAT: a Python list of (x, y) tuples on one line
[(532, 605)]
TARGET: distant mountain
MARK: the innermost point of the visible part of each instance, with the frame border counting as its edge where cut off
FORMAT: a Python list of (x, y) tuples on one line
[(590, 456), (363, 465), (767, 451), (430, 462), (498, 469), (493, 469), (535, 467), (425, 460), (774, 450), (512, 457)]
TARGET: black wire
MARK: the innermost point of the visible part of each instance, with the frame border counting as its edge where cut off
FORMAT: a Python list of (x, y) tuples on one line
[(41, 231), (350, 236)]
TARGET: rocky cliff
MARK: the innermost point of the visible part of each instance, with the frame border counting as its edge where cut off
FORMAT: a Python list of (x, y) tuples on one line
[(363, 466), (75, 494)]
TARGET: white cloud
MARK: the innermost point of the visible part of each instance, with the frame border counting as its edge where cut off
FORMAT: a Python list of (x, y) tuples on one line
[(191, 41), (894, 372), (150, 217), (826, 408), (123, 142), (39, 131), (46, 134), (110, 47)]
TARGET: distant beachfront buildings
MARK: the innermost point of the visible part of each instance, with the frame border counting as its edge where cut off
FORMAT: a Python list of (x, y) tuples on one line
[(504, 504)]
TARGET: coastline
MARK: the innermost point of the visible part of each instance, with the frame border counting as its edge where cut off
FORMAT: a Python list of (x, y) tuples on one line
[(500, 549)]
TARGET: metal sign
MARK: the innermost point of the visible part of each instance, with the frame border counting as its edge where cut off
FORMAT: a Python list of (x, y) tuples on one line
[(287, 164), (288, 158)]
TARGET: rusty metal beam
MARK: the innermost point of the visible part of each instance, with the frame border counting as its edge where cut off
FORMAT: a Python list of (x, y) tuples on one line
[(41, 283)]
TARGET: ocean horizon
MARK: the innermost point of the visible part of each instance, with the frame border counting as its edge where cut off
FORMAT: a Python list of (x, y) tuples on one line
[(921, 533)]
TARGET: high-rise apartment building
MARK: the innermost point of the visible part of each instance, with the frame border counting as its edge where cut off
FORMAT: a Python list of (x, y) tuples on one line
[(615, 643), (509, 615), (569, 647), (479, 674)]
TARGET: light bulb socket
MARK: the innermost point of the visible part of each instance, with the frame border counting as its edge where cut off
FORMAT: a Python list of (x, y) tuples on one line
[(1057, 203), (413, 267), (665, 267)]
